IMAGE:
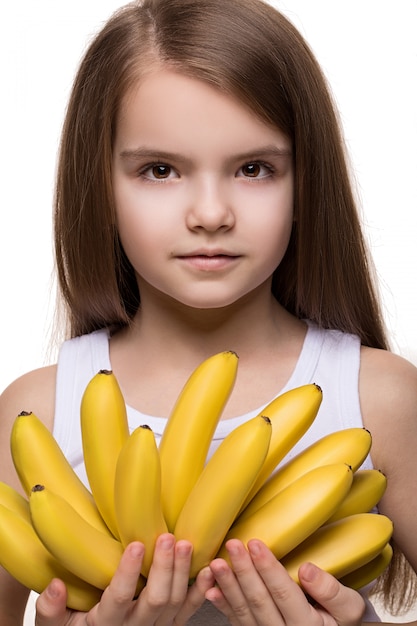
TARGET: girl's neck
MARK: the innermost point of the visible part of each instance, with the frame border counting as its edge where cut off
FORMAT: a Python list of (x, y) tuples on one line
[(248, 325), (164, 344)]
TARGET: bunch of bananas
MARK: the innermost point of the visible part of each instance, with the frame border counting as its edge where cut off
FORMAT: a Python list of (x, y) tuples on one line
[(316, 507)]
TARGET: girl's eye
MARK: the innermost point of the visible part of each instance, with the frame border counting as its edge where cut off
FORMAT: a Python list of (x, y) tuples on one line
[(255, 170), (158, 171)]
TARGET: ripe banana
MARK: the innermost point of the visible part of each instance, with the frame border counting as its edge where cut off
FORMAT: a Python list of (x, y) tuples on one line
[(39, 460), (25, 557), (14, 501), (104, 429), (190, 428), (367, 489), (291, 415), (223, 485), (350, 446), (137, 493), (343, 546), (81, 548), (296, 511), (364, 575)]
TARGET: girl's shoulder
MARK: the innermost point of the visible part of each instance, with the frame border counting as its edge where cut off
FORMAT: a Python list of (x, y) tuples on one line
[(387, 373), (34, 391), (388, 397)]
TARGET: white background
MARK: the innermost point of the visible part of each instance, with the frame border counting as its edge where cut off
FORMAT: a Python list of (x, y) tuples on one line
[(368, 49)]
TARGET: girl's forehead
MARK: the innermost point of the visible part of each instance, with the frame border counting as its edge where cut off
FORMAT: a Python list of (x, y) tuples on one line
[(166, 101)]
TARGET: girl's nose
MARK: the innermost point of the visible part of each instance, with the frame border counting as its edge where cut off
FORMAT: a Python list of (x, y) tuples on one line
[(210, 207)]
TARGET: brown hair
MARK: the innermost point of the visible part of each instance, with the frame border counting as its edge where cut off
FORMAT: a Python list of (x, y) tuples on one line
[(248, 49)]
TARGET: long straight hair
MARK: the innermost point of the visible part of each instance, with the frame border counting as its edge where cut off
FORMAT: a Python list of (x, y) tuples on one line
[(249, 50)]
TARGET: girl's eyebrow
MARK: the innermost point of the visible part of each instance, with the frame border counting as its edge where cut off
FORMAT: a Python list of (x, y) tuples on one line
[(270, 151), (264, 152), (152, 153)]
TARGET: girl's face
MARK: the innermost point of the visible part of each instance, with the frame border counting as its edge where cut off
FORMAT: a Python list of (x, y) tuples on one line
[(203, 192)]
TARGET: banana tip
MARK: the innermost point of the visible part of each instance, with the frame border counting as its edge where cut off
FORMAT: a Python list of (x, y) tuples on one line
[(38, 488)]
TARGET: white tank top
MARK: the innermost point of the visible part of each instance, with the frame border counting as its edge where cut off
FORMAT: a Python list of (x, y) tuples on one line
[(328, 358)]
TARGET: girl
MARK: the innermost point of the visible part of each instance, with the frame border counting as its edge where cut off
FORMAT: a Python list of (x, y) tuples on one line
[(203, 203)]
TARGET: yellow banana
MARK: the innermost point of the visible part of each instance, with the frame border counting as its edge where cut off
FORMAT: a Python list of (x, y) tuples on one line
[(38, 459), (82, 549), (104, 429), (291, 415), (296, 511), (364, 575), (137, 493), (190, 428), (25, 557), (14, 501), (368, 487), (349, 446), (223, 485), (343, 546)]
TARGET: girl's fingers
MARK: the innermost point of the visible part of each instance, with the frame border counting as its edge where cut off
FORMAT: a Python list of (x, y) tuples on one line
[(51, 605), (340, 605), (195, 596), (116, 601), (257, 591), (182, 563), (157, 594), (217, 598), (165, 591), (345, 605), (287, 596), (281, 587), (228, 589), (232, 601), (179, 582)]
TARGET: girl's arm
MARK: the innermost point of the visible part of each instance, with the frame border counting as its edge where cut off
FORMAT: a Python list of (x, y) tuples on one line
[(32, 392), (13, 600), (388, 393), (388, 390)]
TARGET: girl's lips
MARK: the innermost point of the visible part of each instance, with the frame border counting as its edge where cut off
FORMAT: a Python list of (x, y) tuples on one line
[(209, 263)]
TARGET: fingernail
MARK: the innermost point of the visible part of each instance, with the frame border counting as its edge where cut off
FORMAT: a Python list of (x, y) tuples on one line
[(183, 548), (254, 548), (166, 541), (52, 589), (207, 574), (136, 550), (234, 548), (309, 572)]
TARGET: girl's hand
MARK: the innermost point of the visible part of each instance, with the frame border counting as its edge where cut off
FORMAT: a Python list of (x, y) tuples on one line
[(259, 592), (165, 598)]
